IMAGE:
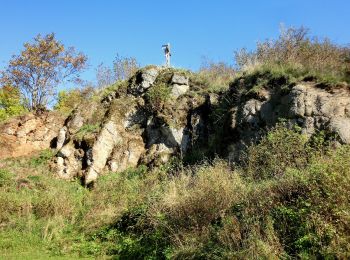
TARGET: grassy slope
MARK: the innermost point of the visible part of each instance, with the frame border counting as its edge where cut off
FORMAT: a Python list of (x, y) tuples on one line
[(298, 208)]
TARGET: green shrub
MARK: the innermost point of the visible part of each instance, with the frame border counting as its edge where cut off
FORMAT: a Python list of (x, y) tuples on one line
[(158, 95), (183, 201), (70, 99), (10, 103), (117, 86), (87, 129), (108, 203), (282, 148)]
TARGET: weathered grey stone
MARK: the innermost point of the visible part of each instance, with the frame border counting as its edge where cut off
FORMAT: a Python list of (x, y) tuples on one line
[(132, 134), (297, 105), (182, 139), (102, 149), (179, 79), (250, 112), (199, 133), (341, 126), (61, 137), (158, 154), (178, 90), (308, 126), (123, 159), (306, 105), (136, 116), (67, 164), (147, 79), (66, 151), (266, 112), (75, 124)]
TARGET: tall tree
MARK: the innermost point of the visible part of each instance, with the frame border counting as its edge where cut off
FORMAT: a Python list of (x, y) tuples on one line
[(40, 68)]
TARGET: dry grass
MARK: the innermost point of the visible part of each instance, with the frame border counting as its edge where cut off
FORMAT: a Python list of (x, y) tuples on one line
[(194, 201), (206, 211), (295, 48)]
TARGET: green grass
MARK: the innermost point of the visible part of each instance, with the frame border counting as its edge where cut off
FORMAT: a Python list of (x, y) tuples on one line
[(117, 86), (86, 130), (293, 203), (280, 78)]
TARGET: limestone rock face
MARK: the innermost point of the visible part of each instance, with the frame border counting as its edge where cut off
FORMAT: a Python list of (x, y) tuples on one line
[(67, 163), (180, 85), (108, 145), (179, 79), (121, 160), (117, 133), (340, 126), (61, 137), (143, 81), (178, 90), (126, 130), (306, 105), (107, 139), (319, 109), (23, 135)]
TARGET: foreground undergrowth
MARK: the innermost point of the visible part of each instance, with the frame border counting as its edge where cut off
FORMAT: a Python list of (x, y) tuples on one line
[(288, 199)]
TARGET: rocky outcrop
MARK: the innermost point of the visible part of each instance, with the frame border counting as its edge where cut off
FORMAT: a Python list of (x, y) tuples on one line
[(127, 132), (125, 129), (26, 134), (306, 105)]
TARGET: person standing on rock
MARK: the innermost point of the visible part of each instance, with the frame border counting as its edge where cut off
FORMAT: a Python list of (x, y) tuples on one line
[(166, 48)]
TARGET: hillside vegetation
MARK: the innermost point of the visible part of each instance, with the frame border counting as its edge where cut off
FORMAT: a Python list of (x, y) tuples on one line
[(290, 198), (252, 188)]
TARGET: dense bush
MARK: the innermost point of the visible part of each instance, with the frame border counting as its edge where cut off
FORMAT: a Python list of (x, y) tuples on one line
[(280, 149)]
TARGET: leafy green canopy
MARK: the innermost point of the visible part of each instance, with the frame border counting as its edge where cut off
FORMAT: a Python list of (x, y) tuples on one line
[(10, 102)]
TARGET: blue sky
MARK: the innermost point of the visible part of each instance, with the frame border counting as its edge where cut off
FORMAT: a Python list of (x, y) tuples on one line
[(138, 28)]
